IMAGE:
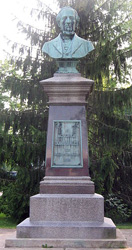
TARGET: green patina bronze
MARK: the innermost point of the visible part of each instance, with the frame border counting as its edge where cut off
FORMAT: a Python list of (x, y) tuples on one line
[(67, 46), (67, 144)]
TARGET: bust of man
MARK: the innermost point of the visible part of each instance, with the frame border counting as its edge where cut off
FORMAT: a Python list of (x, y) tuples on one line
[(67, 45)]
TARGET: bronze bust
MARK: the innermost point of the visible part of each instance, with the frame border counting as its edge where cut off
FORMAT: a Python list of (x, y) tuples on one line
[(67, 44)]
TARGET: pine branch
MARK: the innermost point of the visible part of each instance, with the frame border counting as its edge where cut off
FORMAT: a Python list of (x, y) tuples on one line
[(23, 45), (107, 1), (6, 179), (127, 53), (111, 126), (93, 142), (122, 22), (44, 12), (112, 89), (126, 197), (17, 57), (43, 6), (46, 6), (103, 23), (23, 24)]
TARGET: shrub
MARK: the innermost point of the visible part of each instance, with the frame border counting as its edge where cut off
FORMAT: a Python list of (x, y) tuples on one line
[(15, 199), (116, 209)]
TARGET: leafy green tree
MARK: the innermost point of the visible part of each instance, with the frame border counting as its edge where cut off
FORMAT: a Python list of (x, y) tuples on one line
[(108, 24)]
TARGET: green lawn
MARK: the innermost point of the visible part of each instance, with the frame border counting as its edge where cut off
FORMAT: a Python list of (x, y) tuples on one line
[(124, 226), (6, 222)]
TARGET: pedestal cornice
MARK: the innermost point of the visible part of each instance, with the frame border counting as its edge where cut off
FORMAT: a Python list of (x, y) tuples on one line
[(67, 88)]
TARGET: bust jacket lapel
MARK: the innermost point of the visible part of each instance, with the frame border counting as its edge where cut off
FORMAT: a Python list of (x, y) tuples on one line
[(77, 43), (57, 44)]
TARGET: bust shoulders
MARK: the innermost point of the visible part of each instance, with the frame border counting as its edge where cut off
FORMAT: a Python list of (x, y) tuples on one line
[(80, 47)]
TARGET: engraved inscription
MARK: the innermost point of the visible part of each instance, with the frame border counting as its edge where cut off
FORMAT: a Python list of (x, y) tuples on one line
[(67, 146)]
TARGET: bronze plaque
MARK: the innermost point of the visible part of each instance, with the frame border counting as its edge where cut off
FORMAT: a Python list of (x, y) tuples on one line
[(67, 144)]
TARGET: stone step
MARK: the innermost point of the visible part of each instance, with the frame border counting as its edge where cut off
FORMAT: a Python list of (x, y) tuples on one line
[(64, 248), (67, 185), (67, 230), (119, 242), (38, 248)]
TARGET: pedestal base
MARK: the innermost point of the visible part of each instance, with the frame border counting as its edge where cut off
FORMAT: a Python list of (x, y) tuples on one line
[(119, 242), (67, 216), (67, 220), (67, 230), (67, 208)]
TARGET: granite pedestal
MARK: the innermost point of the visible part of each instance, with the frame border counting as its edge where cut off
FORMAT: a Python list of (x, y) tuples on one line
[(67, 212)]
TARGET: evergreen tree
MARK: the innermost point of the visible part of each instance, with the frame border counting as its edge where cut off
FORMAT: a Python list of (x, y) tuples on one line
[(108, 24)]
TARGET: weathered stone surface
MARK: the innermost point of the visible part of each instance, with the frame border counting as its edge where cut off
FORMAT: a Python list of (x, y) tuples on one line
[(67, 207), (67, 230), (64, 89), (119, 242), (67, 185)]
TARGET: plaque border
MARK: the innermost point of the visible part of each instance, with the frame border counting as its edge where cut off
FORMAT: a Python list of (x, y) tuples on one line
[(67, 166)]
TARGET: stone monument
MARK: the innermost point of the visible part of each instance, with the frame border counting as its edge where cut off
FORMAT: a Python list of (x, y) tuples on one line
[(67, 212)]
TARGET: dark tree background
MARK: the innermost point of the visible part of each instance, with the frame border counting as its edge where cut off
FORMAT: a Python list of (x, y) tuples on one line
[(23, 125)]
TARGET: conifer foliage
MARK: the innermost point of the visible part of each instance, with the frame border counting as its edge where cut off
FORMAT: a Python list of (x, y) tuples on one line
[(108, 24)]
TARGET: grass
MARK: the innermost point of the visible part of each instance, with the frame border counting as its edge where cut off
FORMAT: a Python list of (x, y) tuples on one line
[(6, 222), (127, 225)]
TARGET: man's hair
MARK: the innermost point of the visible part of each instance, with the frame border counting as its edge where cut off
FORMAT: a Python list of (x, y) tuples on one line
[(58, 17)]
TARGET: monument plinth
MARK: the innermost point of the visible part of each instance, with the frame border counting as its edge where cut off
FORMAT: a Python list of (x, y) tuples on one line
[(67, 212)]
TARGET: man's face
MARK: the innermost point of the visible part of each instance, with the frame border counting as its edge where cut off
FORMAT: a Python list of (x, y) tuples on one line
[(68, 22)]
